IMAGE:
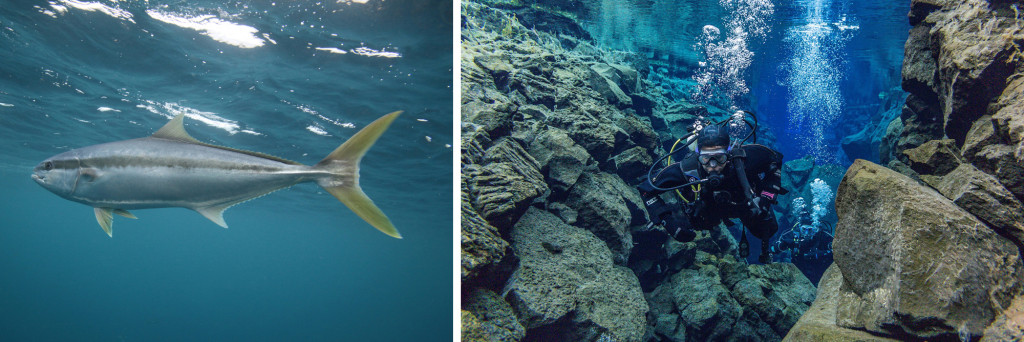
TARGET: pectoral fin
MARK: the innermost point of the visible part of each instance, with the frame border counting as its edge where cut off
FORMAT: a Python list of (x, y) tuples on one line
[(104, 217), (215, 214)]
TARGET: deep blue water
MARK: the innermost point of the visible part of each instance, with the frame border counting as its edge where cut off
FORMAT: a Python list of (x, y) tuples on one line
[(814, 71), (291, 79), (861, 55)]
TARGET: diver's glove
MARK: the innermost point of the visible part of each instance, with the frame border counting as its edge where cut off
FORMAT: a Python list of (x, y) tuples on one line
[(755, 207), (674, 223), (759, 206), (679, 228)]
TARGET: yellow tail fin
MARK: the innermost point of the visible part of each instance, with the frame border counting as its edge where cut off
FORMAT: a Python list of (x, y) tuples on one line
[(343, 165)]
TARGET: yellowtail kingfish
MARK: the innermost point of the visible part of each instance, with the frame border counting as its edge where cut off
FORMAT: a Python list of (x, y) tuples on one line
[(173, 169)]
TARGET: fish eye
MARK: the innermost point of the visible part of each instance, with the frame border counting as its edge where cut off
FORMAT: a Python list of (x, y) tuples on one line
[(48, 166)]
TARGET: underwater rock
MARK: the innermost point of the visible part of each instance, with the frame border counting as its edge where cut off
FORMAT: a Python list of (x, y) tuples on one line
[(644, 104), (502, 188), (605, 206), (866, 143), (639, 131), (777, 292), (495, 123), (624, 77), (921, 122), (999, 161), (981, 134), (919, 69), (481, 243), (575, 294), (677, 118), (961, 62), (982, 195), (551, 21), (920, 9), (497, 65), (633, 163), (819, 321), (598, 137), (759, 302), (978, 50), (1007, 160), (1009, 114), (859, 145), (474, 141), (797, 172), (1009, 326), (560, 158), (904, 169), (703, 308), (889, 141), (604, 80), (487, 317), (925, 270), (936, 157)]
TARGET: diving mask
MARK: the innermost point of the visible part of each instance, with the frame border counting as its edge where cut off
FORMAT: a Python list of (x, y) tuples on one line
[(713, 157)]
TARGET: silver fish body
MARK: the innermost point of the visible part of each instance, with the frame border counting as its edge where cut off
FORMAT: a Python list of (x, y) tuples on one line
[(171, 169)]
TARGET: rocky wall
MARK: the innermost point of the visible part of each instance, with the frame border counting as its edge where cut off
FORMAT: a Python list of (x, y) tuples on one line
[(555, 135)]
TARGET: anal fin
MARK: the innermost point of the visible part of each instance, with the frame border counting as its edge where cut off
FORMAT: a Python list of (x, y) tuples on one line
[(215, 213), (105, 219)]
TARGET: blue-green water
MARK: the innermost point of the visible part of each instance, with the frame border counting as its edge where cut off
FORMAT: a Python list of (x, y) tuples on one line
[(292, 79)]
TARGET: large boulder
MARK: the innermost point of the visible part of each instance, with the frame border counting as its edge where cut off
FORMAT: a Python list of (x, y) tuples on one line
[(604, 79), (633, 163), (505, 184), (488, 317), (961, 67), (561, 160), (606, 206), (915, 264), (819, 322), (978, 50), (1004, 157), (596, 134), (981, 194), (639, 130), (482, 244), (567, 287), (694, 304), (778, 293), (722, 299), (615, 82), (999, 160), (497, 122), (936, 157)]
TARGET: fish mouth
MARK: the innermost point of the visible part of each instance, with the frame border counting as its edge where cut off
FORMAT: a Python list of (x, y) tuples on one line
[(37, 178)]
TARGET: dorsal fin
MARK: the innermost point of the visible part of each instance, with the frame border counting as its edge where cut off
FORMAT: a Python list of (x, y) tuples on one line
[(175, 130)]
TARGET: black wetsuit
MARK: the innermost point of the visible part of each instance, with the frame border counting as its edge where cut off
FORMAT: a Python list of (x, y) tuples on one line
[(707, 207)]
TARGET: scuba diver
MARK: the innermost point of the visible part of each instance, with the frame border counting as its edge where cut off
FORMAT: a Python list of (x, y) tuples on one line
[(721, 179)]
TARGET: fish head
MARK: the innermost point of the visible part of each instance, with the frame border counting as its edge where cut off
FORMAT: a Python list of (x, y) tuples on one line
[(58, 174)]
